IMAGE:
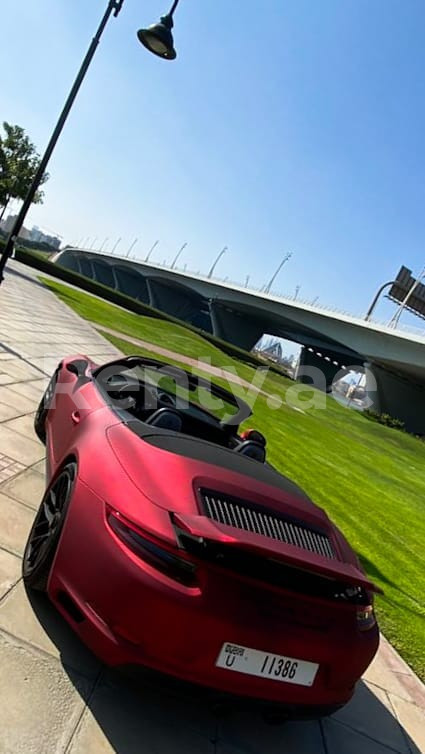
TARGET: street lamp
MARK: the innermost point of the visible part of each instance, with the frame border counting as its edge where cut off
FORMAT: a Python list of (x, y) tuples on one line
[(177, 255), (158, 39), (376, 298), (146, 259), (223, 251), (273, 278), (132, 247), (116, 244)]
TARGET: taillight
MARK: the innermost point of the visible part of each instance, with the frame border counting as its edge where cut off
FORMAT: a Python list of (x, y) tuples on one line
[(365, 617), (155, 554)]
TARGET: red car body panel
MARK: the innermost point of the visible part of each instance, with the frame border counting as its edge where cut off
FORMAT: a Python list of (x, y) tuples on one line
[(130, 613)]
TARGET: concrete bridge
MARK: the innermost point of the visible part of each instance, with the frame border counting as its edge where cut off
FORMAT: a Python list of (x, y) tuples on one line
[(331, 341)]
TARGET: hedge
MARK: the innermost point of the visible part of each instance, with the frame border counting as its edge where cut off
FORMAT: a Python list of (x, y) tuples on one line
[(39, 262)]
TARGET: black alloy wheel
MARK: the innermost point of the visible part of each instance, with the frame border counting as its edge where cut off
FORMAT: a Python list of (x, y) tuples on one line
[(45, 532)]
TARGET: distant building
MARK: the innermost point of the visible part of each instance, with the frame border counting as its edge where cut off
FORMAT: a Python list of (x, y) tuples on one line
[(7, 224), (35, 234), (38, 236)]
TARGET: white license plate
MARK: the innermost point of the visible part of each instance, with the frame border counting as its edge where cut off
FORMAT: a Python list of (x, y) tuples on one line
[(267, 665)]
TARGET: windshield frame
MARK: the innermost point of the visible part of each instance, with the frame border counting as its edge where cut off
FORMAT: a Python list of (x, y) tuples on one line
[(192, 380)]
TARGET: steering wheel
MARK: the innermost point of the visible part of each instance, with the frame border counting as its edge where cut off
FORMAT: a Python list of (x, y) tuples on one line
[(166, 399)]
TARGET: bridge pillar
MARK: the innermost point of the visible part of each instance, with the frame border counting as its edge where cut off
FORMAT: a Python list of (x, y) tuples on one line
[(394, 395), (179, 302), (327, 365), (235, 327)]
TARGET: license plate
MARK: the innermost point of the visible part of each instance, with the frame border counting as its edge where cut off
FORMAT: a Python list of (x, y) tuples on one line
[(267, 665)]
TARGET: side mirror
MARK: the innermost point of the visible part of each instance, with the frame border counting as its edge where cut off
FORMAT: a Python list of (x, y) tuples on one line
[(78, 367)]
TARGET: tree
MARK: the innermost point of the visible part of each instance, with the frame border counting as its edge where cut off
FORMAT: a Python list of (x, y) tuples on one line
[(19, 161)]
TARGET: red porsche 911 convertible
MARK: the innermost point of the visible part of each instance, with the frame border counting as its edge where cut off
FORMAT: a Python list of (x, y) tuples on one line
[(168, 542)]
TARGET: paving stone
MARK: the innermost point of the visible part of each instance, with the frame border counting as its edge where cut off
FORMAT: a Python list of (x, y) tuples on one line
[(48, 365), (412, 719), (119, 722), (380, 674), (10, 571), (39, 350), (9, 468), (15, 524), (23, 424), (22, 404), (405, 675), (248, 733), (33, 389), (40, 703), (343, 740), (27, 487), (23, 449), (20, 369), (167, 698), (103, 358), (33, 619), (6, 461), (8, 411), (40, 467), (370, 710)]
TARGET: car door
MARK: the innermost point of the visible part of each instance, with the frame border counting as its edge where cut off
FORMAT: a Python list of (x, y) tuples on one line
[(75, 397)]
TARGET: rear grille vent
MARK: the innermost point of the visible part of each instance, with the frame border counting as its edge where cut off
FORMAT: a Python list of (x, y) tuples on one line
[(243, 515)]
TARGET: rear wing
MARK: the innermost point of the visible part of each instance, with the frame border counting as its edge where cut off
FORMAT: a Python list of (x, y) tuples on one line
[(205, 531)]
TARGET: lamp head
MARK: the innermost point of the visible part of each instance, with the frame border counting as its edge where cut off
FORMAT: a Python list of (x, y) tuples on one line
[(158, 38)]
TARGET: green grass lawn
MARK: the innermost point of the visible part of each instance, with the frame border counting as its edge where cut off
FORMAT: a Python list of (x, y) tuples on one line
[(160, 332), (368, 478)]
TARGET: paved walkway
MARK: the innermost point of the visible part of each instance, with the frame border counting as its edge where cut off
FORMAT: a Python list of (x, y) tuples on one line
[(54, 695)]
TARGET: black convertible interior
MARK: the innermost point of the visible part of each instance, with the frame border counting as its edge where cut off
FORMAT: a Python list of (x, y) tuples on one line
[(169, 398)]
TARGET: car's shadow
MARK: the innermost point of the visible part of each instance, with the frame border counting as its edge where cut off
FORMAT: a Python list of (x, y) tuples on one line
[(140, 713)]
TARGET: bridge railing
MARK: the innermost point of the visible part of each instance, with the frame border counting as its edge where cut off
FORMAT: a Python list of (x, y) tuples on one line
[(287, 298)]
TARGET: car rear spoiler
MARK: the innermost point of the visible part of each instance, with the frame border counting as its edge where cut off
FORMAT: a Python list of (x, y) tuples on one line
[(205, 530)]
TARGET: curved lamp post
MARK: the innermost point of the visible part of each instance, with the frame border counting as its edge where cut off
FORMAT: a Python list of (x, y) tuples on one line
[(158, 39), (177, 255), (132, 247), (376, 299), (116, 244), (215, 263), (273, 278), (146, 259)]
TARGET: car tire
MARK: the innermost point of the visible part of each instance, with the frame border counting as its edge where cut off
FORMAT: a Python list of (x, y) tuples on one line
[(44, 536), (43, 408)]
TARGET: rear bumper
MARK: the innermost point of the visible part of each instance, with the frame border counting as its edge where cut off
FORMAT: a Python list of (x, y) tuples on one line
[(131, 615)]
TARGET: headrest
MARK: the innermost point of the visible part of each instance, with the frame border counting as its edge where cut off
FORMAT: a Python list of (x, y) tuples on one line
[(255, 436), (252, 450)]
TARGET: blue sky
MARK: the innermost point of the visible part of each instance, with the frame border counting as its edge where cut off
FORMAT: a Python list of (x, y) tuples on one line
[(283, 125)]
